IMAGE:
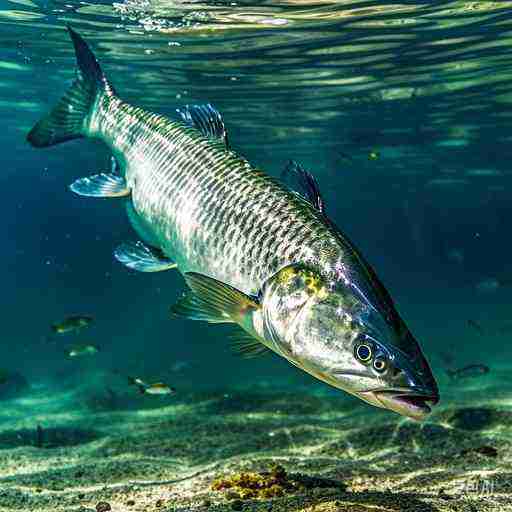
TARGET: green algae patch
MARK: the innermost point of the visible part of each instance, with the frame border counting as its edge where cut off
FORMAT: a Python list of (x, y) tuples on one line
[(269, 484)]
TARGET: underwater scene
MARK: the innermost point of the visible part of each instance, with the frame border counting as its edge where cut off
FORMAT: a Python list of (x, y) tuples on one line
[(257, 256)]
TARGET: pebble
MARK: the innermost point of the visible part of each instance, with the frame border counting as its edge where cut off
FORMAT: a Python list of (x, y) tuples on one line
[(103, 506), (237, 505)]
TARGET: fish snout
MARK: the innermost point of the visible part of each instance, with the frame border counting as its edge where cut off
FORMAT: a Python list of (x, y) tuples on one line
[(411, 394)]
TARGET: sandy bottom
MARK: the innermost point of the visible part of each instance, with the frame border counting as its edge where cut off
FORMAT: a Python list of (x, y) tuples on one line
[(163, 453)]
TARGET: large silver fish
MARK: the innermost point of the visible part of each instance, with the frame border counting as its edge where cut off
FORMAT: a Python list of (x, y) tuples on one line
[(252, 251)]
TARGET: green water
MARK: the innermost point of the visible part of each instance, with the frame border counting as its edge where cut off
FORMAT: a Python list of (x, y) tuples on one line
[(402, 112)]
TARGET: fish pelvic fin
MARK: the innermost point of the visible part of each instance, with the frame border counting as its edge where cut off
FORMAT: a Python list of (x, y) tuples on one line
[(71, 117), (245, 345)]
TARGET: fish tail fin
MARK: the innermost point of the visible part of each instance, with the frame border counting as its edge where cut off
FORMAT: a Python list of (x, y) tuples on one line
[(70, 118)]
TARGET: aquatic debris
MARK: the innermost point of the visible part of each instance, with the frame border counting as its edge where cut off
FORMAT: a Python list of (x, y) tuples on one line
[(269, 484), (157, 388), (468, 372), (83, 350), (73, 323)]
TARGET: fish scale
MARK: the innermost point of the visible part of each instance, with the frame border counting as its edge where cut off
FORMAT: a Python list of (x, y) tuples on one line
[(211, 211)]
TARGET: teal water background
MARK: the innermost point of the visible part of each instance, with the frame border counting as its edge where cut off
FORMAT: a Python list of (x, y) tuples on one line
[(426, 86)]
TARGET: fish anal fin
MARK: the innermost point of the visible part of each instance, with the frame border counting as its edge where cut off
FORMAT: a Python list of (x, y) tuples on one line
[(101, 185), (206, 119), (138, 256)]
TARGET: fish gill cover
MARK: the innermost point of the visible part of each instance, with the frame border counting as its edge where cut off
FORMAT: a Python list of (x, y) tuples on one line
[(401, 113)]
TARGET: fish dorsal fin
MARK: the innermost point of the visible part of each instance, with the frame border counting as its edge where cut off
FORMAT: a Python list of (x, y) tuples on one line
[(213, 301), (206, 119), (303, 183)]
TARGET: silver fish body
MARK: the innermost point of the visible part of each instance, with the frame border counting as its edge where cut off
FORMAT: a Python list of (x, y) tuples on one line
[(252, 251), (209, 209)]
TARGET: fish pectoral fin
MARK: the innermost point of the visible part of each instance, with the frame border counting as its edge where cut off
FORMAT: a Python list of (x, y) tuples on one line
[(101, 185), (206, 119), (245, 345), (303, 183), (138, 256), (192, 307), (213, 301)]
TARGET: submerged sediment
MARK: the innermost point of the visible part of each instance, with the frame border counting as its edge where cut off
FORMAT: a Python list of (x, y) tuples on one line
[(251, 449)]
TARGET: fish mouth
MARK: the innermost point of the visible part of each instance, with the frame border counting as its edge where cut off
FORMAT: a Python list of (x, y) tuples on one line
[(412, 403)]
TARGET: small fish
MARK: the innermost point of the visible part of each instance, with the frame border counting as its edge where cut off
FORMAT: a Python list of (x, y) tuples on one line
[(345, 157), (468, 372), (157, 388), (487, 285), (83, 350), (72, 324), (477, 327)]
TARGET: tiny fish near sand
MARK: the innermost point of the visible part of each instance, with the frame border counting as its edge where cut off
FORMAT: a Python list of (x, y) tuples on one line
[(157, 388), (82, 350), (253, 252), (72, 324), (468, 372)]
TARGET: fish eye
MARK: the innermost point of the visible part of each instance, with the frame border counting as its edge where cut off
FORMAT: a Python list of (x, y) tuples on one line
[(380, 364), (363, 353)]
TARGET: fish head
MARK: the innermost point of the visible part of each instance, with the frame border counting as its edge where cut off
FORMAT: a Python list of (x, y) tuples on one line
[(330, 328)]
